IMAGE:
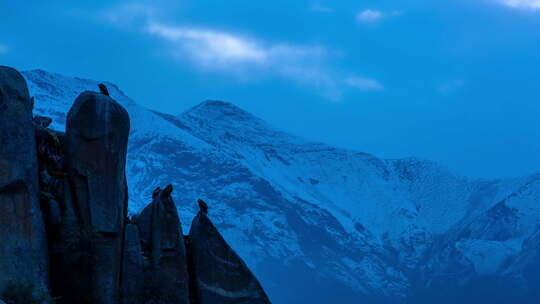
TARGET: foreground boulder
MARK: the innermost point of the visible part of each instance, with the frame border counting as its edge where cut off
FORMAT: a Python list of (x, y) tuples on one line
[(163, 246), (96, 140), (217, 273), (23, 245)]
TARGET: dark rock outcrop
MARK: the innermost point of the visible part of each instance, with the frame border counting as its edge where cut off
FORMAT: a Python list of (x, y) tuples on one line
[(52, 183), (217, 273), (63, 215), (162, 236), (96, 145), (203, 206), (132, 268), (23, 245), (97, 133)]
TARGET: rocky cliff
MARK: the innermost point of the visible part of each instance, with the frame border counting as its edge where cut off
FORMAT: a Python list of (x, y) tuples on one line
[(23, 246), (64, 221)]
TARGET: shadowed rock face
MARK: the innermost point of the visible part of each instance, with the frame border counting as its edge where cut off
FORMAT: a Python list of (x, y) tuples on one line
[(133, 268), (218, 274), (63, 215), (23, 245), (97, 133), (162, 240)]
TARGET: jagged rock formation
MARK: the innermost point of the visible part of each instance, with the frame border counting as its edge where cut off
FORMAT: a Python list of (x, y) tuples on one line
[(97, 133), (162, 239), (218, 274), (75, 209), (23, 245)]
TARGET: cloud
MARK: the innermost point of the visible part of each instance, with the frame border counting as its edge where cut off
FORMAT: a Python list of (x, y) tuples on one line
[(209, 47), (314, 77), (373, 16), (364, 84), (241, 55), (128, 14), (369, 16), (237, 55), (3, 49), (320, 8), (522, 4)]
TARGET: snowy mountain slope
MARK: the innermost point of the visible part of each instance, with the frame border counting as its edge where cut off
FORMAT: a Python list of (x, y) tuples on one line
[(491, 257), (300, 168), (401, 203), (498, 235), (337, 225)]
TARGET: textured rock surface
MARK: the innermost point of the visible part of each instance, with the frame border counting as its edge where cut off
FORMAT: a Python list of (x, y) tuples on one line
[(23, 245), (96, 144), (218, 274), (162, 239), (133, 268)]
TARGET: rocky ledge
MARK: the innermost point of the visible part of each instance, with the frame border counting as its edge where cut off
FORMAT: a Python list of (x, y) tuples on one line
[(66, 235)]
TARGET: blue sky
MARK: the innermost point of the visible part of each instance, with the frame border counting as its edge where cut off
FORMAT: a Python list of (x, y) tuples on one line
[(455, 81)]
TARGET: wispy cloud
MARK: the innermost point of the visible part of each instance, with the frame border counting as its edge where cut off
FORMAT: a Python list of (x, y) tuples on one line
[(364, 84), (209, 47), (522, 4), (129, 14), (369, 16), (3, 49), (214, 49), (320, 8), (238, 55), (373, 16), (241, 55), (320, 79)]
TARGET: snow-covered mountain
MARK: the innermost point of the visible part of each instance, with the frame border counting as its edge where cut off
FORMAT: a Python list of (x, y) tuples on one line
[(319, 224)]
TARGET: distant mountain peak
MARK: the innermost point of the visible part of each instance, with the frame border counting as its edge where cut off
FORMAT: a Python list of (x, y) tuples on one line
[(213, 109), (218, 103), (220, 118)]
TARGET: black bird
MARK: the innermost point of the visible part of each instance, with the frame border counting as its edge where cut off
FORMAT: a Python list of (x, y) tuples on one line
[(103, 89), (203, 206)]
